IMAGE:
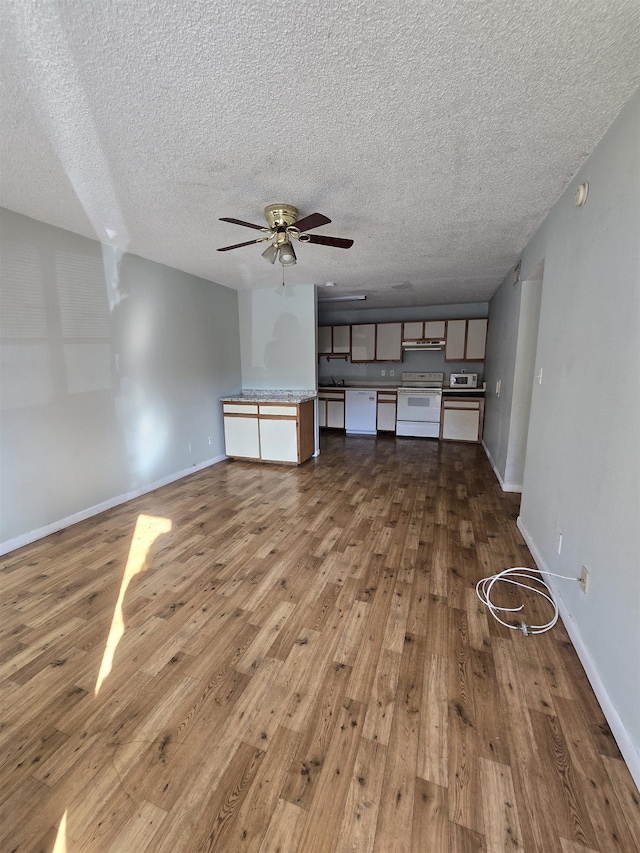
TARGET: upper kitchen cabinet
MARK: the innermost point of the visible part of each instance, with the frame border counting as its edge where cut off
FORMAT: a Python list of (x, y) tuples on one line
[(334, 340), (423, 330), (341, 340), (363, 342), (389, 342), (466, 340), (325, 340)]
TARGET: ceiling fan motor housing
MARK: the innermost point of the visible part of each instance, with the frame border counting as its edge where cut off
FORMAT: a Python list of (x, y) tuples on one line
[(280, 215)]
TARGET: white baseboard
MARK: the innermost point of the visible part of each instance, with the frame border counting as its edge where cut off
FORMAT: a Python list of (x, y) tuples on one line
[(41, 532), (627, 747), (506, 487)]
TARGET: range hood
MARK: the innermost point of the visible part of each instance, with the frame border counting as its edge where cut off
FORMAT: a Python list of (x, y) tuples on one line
[(425, 344)]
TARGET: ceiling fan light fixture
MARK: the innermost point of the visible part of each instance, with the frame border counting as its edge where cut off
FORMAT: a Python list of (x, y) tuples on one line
[(287, 255), (270, 253)]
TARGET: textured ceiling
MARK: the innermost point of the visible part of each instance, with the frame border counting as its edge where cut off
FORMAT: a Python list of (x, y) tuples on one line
[(434, 134)]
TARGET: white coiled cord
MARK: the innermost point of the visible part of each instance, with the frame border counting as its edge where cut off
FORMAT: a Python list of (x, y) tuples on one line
[(484, 587)]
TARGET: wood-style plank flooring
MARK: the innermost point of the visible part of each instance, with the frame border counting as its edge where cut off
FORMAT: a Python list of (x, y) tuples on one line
[(259, 658)]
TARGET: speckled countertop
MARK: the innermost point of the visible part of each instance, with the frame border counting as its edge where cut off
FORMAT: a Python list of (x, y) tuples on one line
[(272, 395)]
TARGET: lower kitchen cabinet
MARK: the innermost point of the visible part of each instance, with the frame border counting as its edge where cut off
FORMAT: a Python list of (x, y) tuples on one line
[(241, 432), (462, 419), (269, 431), (331, 408), (278, 441), (387, 401)]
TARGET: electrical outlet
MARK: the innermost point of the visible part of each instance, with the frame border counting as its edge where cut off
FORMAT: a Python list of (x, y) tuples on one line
[(210, 439), (498, 387), (584, 580), (392, 373), (559, 542), (383, 373)]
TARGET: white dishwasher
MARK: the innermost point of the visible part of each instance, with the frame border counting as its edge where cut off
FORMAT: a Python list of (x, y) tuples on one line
[(361, 408)]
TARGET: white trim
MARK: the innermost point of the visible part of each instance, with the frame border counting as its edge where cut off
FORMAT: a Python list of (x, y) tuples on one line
[(41, 532), (506, 487), (629, 750)]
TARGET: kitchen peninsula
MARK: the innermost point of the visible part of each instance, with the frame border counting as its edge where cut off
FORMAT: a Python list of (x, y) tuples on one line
[(269, 426)]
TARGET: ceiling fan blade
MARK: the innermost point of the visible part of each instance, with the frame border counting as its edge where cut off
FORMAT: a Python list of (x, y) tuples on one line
[(314, 220), (241, 222), (338, 242), (239, 245)]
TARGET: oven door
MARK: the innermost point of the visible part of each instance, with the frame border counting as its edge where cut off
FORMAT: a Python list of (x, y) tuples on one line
[(418, 413), (420, 406)]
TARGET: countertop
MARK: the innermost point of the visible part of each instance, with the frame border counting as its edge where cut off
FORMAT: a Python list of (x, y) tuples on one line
[(270, 396), (456, 392)]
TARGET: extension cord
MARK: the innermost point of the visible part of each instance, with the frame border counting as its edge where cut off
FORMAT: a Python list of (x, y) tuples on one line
[(484, 587)]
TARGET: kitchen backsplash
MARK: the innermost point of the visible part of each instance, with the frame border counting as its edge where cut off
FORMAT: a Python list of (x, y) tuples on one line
[(421, 361)]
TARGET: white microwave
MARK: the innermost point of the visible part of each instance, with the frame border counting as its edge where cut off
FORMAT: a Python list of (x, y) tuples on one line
[(463, 380)]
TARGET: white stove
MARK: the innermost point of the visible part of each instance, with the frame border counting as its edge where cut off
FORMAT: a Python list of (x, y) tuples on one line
[(422, 380), (419, 405)]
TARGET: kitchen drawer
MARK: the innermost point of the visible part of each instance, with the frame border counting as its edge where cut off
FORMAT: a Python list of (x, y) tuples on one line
[(272, 410), (462, 404), (240, 408)]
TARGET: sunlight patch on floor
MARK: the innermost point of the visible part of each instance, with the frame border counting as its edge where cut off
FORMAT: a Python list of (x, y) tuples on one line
[(147, 530), (61, 838)]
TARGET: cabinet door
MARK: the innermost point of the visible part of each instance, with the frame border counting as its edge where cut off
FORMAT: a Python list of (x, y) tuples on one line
[(434, 329), (476, 339), (413, 331), (241, 437), (461, 424), (324, 340), (278, 440), (342, 340), (456, 336), (335, 414), (389, 342), (387, 417), (363, 342), (322, 413)]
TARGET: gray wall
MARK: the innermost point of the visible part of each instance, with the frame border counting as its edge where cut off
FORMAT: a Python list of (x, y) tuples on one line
[(511, 347), (412, 361), (111, 366), (278, 337), (582, 470)]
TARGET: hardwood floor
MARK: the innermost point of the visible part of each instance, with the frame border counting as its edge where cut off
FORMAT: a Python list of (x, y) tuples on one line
[(259, 658)]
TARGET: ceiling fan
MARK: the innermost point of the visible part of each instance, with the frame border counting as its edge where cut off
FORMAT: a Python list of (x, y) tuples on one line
[(283, 226)]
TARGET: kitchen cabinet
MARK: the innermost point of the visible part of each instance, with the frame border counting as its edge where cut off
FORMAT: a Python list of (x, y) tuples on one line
[(363, 342), (241, 434), (387, 401), (334, 340), (278, 440), (389, 342), (331, 409), (476, 339), (269, 431), (466, 339), (462, 419), (341, 340), (420, 330), (325, 340)]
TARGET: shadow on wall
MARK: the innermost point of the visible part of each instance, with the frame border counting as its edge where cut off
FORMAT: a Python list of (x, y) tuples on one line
[(287, 338), (76, 368)]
